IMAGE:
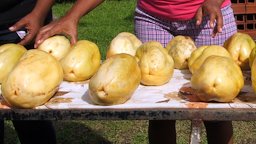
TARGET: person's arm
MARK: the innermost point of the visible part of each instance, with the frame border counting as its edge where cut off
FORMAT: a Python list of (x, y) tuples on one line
[(213, 9), (68, 24), (33, 21)]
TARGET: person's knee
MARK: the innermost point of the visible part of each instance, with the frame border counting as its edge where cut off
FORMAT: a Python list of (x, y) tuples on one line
[(220, 132), (217, 124), (162, 132)]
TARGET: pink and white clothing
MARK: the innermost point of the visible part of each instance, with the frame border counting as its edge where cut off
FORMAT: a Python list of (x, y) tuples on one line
[(173, 9), (159, 20)]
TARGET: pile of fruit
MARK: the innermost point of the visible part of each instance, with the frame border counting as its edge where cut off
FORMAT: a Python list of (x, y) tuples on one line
[(29, 78)]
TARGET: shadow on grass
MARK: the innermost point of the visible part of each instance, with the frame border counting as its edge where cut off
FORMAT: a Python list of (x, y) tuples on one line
[(130, 17), (72, 132), (67, 132), (10, 136)]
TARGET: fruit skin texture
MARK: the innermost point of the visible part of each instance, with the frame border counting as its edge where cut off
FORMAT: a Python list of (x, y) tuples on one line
[(58, 46), (155, 63), (240, 46), (33, 81), (252, 56), (82, 62), (115, 81), (202, 53), (9, 57), (124, 42), (180, 48), (218, 79)]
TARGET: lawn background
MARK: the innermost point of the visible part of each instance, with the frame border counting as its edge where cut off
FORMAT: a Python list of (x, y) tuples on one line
[(101, 26)]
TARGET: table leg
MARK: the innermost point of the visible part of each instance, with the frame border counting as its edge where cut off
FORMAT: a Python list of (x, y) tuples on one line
[(195, 137)]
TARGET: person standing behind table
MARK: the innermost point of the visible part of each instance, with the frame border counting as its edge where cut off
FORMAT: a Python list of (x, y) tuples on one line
[(202, 20), (207, 22), (20, 21)]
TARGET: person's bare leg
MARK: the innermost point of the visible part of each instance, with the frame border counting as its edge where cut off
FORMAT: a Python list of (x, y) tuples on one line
[(219, 132), (162, 132)]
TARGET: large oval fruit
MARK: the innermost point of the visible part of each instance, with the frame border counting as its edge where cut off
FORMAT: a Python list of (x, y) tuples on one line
[(240, 46), (252, 56), (124, 42), (9, 57), (115, 81), (155, 63), (253, 75), (33, 81), (202, 53), (82, 62), (218, 79), (180, 48), (58, 46)]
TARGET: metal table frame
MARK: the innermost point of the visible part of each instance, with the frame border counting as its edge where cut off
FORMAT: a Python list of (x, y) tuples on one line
[(236, 114), (196, 115)]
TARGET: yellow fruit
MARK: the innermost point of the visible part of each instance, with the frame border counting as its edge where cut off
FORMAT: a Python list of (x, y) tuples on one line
[(115, 81), (202, 53), (58, 46), (240, 46), (155, 63), (33, 81), (82, 62), (124, 42), (180, 48), (218, 79), (253, 75), (9, 57), (252, 56)]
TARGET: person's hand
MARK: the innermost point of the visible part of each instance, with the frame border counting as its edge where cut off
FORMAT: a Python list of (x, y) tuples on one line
[(213, 9), (66, 26), (32, 23)]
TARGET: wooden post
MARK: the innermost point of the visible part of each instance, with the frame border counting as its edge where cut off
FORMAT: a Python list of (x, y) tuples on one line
[(195, 136)]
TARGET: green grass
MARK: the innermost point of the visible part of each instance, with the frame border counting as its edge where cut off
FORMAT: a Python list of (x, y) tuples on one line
[(100, 26), (126, 132)]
